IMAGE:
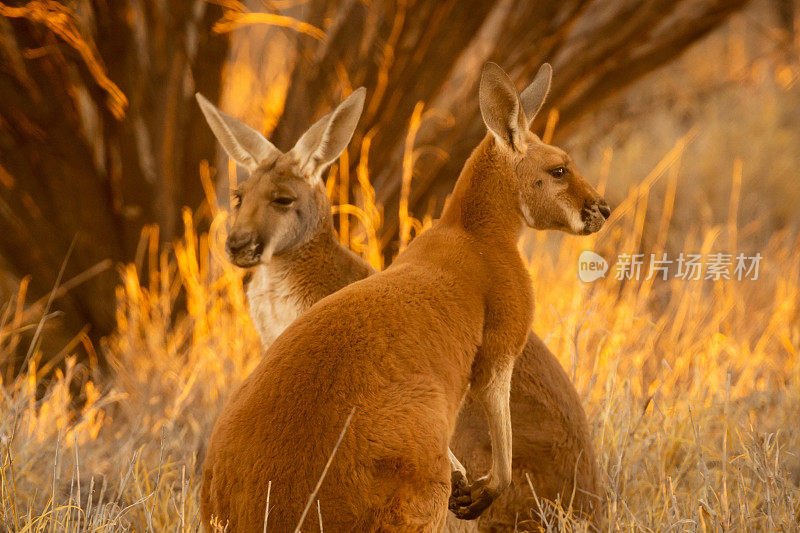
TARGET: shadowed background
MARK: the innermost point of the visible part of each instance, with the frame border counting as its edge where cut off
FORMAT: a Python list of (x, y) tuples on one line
[(100, 133)]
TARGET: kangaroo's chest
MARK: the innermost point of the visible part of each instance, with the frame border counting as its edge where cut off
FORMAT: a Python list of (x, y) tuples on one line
[(273, 306)]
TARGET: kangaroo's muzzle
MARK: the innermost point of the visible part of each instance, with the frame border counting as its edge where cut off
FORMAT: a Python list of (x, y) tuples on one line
[(244, 248)]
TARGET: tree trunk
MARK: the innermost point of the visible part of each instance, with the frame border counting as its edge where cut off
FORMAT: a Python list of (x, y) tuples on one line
[(99, 135)]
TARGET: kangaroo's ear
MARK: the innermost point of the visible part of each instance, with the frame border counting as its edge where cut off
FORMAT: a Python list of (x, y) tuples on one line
[(500, 107), (242, 143), (329, 136), (534, 95)]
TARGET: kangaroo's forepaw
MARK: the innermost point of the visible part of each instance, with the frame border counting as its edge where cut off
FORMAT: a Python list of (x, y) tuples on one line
[(459, 487), (467, 502)]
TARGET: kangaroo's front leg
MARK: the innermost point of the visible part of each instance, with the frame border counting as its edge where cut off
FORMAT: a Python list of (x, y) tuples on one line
[(491, 385)]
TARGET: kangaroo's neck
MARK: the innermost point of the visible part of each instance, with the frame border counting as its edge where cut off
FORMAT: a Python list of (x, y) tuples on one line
[(322, 266), (293, 281), (484, 202)]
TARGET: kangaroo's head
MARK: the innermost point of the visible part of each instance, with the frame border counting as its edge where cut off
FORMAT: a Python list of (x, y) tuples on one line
[(552, 192), (282, 204)]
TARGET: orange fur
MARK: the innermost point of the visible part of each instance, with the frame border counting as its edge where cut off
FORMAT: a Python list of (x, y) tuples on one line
[(403, 347), (551, 437), (399, 346)]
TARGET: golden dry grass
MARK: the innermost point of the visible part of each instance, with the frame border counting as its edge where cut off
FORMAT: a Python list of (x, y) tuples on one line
[(692, 388)]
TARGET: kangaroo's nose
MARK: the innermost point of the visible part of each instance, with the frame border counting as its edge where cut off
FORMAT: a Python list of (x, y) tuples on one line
[(602, 206), (238, 240)]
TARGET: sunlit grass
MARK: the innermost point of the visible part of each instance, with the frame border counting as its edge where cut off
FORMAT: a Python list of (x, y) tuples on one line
[(692, 388)]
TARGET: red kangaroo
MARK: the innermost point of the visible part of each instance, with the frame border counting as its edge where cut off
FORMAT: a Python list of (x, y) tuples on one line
[(402, 346)]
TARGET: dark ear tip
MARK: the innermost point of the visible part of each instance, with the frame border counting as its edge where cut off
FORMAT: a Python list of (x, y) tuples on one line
[(491, 66), (356, 98), (494, 75), (360, 94), (545, 73)]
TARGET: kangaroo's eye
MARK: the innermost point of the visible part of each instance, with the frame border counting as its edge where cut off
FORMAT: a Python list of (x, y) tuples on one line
[(558, 172), (283, 201), (236, 199)]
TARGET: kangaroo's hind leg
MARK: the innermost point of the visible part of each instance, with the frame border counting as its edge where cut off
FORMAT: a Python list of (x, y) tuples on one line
[(417, 502)]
